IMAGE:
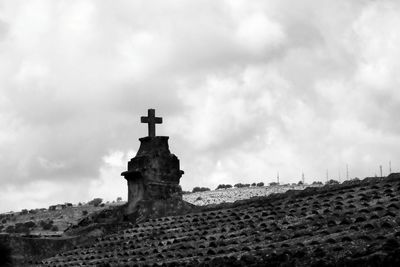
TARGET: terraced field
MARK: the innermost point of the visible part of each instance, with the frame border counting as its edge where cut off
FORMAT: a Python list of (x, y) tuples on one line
[(234, 194), (352, 224)]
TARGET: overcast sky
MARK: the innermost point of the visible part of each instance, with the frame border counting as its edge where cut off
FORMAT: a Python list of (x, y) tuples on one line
[(245, 88)]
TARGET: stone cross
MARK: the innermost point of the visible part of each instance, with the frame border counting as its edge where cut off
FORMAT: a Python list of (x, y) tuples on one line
[(151, 121)]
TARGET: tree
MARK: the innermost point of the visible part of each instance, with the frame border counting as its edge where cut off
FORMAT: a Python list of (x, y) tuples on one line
[(119, 199), (10, 229), (317, 183), (253, 184), (23, 227), (300, 183), (332, 182), (200, 189), (46, 225), (95, 202), (223, 186), (260, 184), (30, 224), (273, 184)]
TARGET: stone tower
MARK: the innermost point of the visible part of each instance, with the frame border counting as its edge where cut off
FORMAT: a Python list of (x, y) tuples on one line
[(153, 175)]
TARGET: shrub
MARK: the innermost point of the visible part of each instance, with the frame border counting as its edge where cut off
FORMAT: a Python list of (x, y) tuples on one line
[(30, 224), (21, 228), (46, 225), (10, 229), (24, 211), (224, 186), (95, 202), (317, 183), (273, 184), (84, 212), (54, 228), (253, 184), (332, 182), (119, 199), (300, 183), (200, 189), (260, 184)]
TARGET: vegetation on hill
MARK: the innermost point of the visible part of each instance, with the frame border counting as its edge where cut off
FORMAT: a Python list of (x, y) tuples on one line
[(332, 182), (200, 189), (223, 186), (49, 222), (95, 202)]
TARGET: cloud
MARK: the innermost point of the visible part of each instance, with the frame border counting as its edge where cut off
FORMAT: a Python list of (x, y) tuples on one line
[(257, 33), (246, 89)]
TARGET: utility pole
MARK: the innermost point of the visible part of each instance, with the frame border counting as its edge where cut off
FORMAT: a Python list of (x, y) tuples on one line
[(277, 177), (390, 167), (302, 177), (380, 167), (347, 171), (339, 175)]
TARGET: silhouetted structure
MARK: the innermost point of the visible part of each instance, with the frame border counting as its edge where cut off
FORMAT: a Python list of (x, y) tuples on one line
[(153, 175)]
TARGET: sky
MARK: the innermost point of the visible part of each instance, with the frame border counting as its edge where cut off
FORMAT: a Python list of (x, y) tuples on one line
[(246, 89)]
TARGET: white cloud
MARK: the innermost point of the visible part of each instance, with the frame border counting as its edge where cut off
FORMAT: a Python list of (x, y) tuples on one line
[(258, 34), (110, 185)]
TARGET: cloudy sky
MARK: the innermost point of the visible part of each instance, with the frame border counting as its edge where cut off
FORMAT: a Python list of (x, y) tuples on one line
[(246, 89)]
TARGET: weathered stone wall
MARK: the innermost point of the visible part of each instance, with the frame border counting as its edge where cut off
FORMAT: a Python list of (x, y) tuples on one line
[(26, 250), (153, 175)]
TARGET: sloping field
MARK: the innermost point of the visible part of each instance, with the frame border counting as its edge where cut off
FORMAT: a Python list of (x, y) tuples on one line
[(353, 224), (234, 194)]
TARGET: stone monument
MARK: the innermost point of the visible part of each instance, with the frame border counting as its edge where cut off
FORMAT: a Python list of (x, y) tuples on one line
[(153, 176)]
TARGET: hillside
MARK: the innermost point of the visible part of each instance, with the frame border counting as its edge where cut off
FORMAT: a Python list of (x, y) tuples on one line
[(234, 194), (353, 224), (45, 222)]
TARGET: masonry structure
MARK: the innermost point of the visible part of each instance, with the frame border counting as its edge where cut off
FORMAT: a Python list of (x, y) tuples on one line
[(153, 176)]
